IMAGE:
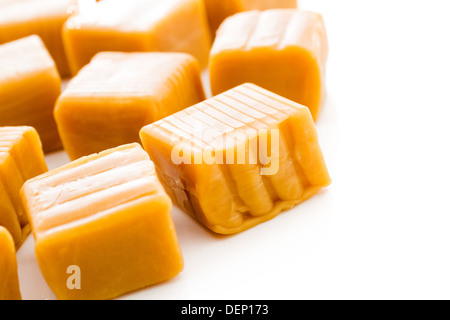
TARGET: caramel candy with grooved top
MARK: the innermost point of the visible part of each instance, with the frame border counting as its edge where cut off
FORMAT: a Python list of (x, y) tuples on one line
[(239, 158), (45, 18), (107, 219), (117, 94), (281, 50), (21, 158), (219, 10), (29, 87), (9, 278), (136, 26)]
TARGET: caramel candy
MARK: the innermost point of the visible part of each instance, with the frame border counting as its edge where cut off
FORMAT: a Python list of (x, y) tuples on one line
[(219, 10), (281, 50), (45, 18), (238, 159), (9, 279), (103, 225), (135, 26), (21, 158), (114, 96), (30, 85)]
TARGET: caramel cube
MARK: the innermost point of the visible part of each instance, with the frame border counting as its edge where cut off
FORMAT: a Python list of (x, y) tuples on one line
[(29, 87), (114, 96), (136, 26), (239, 158), (9, 278), (21, 158), (281, 50), (102, 225), (45, 18)]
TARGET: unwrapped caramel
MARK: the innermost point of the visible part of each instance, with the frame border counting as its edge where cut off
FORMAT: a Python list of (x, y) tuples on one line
[(29, 87), (102, 225), (138, 25), (21, 158), (9, 279), (45, 18), (239, 158), (117, 94), (282, 50)]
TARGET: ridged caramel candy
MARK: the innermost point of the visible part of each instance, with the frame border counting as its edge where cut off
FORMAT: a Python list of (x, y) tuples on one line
[(281, 50), (45, 18), (219, 10), (239, 158), (115, 95), (107, 217), (9, 279), (138, 25), (29, 87), (21, 158)]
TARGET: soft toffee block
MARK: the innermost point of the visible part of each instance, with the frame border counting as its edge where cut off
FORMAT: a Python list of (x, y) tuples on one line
[(103, 226), (21, 158), (219, 10), (238, 159), (29, 88), (281, 50), (136, 26), (9, 278), (117, 94), (45, 18)]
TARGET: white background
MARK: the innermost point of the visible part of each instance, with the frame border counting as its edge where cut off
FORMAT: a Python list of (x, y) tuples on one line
[(382, 229)]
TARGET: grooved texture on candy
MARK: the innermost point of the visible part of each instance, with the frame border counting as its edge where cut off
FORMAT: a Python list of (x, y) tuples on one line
[(29, 88), (9, 279), (229, 194), (138, 25), (45, 18), (117, 94), (282, 50), (109, 215), (21, 158)]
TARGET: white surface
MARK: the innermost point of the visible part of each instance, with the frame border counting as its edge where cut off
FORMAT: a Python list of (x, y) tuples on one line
[(381, 230)]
